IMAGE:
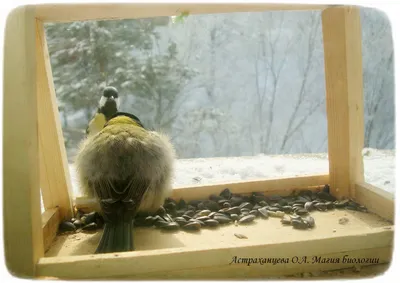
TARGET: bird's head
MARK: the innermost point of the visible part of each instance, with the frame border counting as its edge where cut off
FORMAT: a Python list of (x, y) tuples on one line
[(110, 93), (109, 102)]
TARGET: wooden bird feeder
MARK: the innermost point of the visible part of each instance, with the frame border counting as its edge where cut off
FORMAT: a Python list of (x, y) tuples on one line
[(35, 159)]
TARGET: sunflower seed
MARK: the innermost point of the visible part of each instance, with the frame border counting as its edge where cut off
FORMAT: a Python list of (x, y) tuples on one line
[(226, 205), (211, 223), (181, 204), (254, 212), (172, 226), (170, 206), (211, 205), (226, 193), (310, 221), (326, 196), (189, 213), (201, 206), (197, 221), (287, 209), (194, 203), (161, 223), (341, 203), (299, 224), (234, 216), (203, 218), (330, 205), (181, 221), (343, 220), (321, 206), (273, 208), (263, 212), (235, 200), (192, 226), (309, 206), (233, 210), (161, 211), (286, 220), (215, 198), (222, 219), (246, 219), (77, 223), (90, 227), (274, 198), (276, 213), (240, 236), (187, 217), (66, 226), (256, 207), (202, 213), (301, 211), (246, 205)]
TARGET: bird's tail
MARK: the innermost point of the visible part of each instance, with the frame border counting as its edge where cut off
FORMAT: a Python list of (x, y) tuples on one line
[(117, 237)]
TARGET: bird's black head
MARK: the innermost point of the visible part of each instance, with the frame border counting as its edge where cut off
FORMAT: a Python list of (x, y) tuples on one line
[(109, 108), (109, 102), (110, 91)]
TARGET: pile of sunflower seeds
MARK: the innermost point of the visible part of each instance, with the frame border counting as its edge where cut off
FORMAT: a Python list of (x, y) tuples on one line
[(224, 209), (227, 208), (82, 222)]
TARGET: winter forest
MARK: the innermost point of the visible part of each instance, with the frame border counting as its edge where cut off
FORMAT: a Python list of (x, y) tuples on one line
[(219, 85)]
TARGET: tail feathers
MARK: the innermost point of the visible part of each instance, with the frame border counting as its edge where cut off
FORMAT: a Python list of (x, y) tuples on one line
[(117, 237)]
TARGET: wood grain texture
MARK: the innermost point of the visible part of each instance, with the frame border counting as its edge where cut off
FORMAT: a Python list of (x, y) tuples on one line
[(81, 12), (55, 179), (344, 98), (376, 200), (23, 238), (50, 222), (197, 262), (265, 271)]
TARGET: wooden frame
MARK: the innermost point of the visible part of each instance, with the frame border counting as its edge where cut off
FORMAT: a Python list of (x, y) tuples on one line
[(34, 154)]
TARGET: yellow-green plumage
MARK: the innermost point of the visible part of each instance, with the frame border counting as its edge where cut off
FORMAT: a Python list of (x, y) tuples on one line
[(128, 169), (96, 124)]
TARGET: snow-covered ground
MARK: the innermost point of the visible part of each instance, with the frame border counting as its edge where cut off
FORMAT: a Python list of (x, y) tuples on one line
[(379, 168)]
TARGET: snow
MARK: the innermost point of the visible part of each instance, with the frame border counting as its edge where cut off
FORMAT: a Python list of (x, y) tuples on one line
[(379, 168)]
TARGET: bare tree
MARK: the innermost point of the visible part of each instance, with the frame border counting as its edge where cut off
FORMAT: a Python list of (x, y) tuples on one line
[(378, 79), (374, 101), (270, 70), (295, 122)]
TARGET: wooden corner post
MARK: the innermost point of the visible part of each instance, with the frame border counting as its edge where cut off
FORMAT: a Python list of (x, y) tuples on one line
[(55, 180), (344, 98), (23, 235)]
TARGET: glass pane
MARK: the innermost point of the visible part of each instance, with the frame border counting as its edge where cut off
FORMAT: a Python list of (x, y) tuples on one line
[(233, 91), (379, 152)]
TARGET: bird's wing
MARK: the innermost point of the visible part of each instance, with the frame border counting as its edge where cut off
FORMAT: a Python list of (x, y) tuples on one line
[(116, 194), (96, 124)]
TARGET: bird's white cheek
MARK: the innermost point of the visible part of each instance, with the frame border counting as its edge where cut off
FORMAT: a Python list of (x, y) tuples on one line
[(102, 101), (117, 102)]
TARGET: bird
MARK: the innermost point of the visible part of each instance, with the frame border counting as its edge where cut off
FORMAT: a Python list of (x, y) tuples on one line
[(128, 169), (107, 107)]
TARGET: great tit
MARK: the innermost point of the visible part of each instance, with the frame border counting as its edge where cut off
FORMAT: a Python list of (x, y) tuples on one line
[(128, 169), (108, 106)]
